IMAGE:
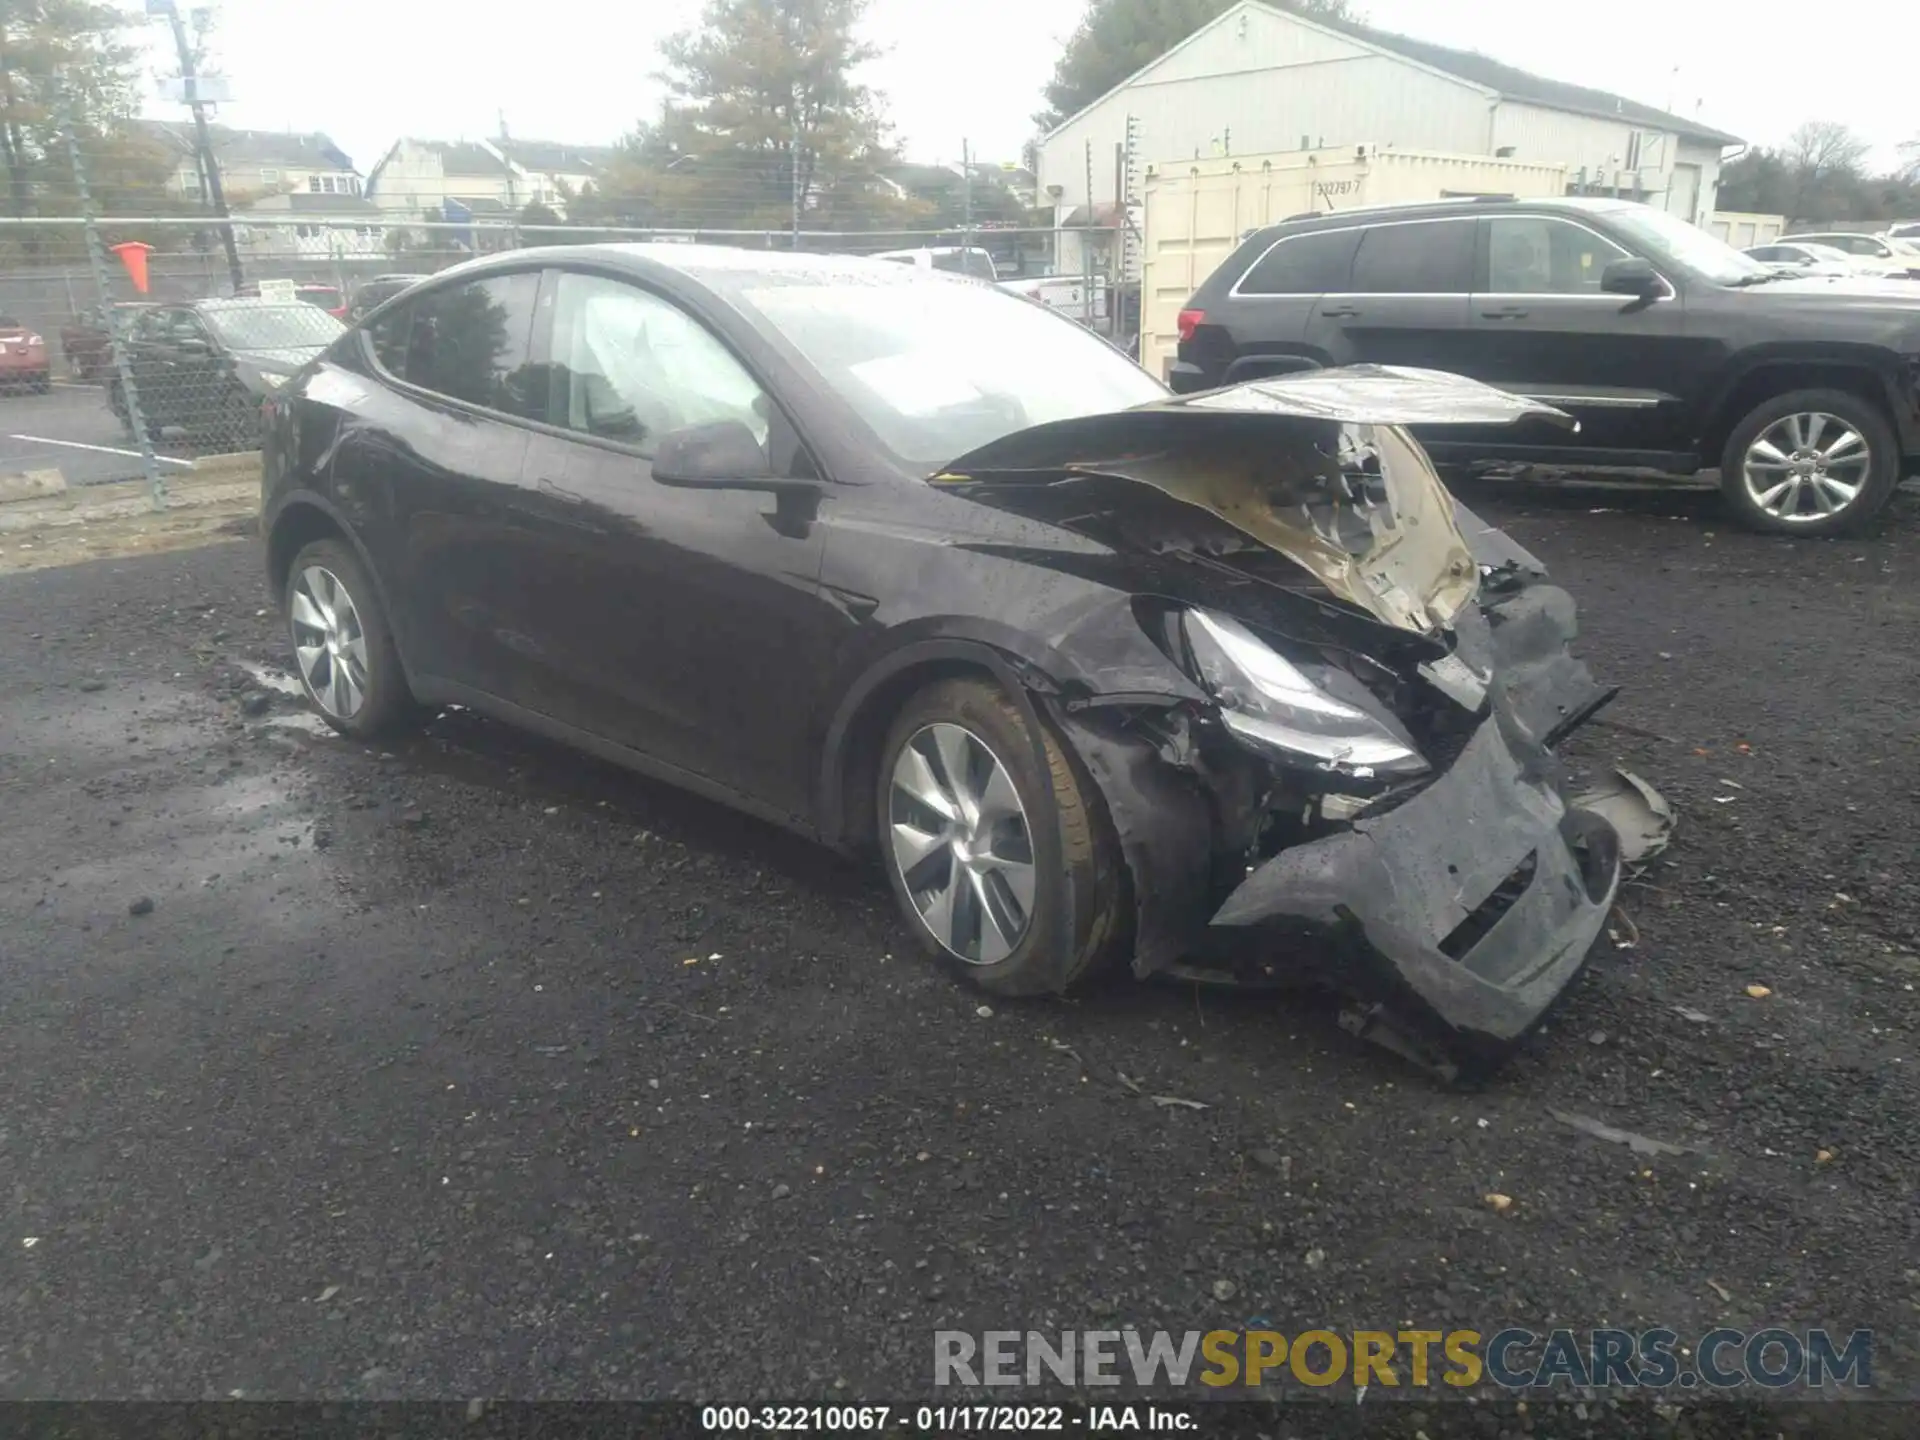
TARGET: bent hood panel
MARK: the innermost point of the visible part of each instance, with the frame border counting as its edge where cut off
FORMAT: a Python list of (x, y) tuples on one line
[(1317, 468)]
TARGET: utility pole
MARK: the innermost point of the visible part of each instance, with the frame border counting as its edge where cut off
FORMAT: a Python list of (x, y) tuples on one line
[(966, 191), (799, 192), (203, 140), (513, 197)]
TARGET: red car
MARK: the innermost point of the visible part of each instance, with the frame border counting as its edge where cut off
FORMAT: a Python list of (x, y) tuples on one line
[(23, 357)]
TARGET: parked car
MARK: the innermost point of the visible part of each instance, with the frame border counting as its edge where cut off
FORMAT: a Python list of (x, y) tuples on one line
[(1899, 257), (1078, 297), (1675, 351), (204, 368), (86, 342), (375, 293), (1227, 685), (1810, 257), (23, 357), (324, 297)]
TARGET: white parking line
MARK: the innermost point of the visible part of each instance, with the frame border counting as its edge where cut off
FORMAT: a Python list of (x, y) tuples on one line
[(100, 449)]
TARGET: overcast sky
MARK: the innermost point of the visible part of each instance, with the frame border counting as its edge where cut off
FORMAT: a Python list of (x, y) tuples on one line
[(367, 71)]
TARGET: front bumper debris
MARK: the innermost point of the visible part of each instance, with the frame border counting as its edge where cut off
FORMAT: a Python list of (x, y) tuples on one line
[(1453, 920)]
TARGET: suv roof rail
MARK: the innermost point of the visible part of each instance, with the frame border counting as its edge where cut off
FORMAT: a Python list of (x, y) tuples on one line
[(1498, 199)]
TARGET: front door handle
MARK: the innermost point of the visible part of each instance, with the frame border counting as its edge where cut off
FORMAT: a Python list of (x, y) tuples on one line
[(1506, 312)]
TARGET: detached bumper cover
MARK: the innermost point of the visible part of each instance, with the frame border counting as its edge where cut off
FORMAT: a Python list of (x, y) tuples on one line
[(1462, 914)]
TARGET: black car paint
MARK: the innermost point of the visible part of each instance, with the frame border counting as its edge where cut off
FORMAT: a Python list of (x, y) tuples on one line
[(1657, 383), (202, 381), (750, 645)]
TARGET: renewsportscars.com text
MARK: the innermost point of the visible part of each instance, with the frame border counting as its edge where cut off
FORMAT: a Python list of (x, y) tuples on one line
[(1513, 1358)]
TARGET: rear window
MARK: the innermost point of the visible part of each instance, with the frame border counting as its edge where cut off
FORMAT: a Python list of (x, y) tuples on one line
[(1434, 257), (1310, 264)]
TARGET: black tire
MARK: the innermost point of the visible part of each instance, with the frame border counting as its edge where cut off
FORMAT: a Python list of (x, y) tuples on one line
[(386, 704), (1080, 912), (117, 402), (1875, 485)]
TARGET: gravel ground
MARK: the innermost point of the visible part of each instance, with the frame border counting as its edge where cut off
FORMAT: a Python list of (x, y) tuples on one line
[(477, 1068)]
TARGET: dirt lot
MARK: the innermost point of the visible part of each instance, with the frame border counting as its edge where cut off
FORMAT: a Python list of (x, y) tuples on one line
[(474, 1067)]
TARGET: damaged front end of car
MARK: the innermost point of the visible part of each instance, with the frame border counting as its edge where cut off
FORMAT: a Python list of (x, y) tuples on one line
[(1346, 772)]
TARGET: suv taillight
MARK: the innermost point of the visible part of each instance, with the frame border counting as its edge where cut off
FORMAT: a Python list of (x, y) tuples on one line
[(1189, 321)]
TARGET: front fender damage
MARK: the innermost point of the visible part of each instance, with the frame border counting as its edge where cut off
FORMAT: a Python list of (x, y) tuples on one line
[(1449, 919)]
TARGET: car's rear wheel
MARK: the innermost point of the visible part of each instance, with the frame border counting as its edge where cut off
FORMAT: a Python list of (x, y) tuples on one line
[(343, 649), (1810, 462), (961, 806)]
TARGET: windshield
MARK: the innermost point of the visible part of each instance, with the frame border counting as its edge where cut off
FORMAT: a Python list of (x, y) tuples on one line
[(937, 369), (1906, 249), (1666, 237), (273, 327)]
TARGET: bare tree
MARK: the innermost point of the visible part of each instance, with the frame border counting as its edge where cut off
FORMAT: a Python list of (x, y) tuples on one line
[(1908, 171), (1820, 149)]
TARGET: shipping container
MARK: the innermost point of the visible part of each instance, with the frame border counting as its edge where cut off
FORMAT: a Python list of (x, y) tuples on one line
[(1196, 212), (1744, 231)]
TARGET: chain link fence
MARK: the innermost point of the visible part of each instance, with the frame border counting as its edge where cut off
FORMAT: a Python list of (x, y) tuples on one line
[(197, 357)]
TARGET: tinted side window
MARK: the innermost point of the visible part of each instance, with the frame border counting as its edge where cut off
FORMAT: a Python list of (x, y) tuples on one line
[(1539, 255), (1311, 264), (471, 342), (389, 340), (1435, 258), (629, 366)]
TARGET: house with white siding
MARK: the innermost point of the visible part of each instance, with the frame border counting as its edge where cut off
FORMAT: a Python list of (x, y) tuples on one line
[(1259, 79)]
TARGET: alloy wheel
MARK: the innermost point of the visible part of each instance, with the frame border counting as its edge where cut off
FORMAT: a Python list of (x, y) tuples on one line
[(1806, 467), (328, 642), (960, 839)]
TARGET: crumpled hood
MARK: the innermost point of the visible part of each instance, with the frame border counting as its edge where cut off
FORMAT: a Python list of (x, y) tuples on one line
[(1317, 467)]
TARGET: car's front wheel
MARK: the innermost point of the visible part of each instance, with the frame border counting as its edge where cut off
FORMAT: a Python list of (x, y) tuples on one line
[(342, 647), (962, 803), (1811, 462)]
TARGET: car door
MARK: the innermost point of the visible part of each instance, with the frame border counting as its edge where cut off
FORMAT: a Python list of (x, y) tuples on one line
[(1406, 303), (685, 623), (200, 378), (438, 447), (1541, 326), (150, 360)]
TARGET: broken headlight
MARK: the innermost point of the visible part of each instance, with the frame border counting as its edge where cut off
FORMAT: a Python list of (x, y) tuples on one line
[(1269, 704)]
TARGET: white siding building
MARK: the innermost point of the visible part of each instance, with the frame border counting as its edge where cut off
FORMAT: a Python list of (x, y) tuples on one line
[(1260, 79)]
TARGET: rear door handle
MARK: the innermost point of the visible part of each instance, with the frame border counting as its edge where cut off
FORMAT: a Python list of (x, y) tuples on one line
[(1340, 312), (1506, 312)]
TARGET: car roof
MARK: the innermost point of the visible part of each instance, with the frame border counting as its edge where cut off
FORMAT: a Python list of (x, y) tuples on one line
[(238, 302), (720, 268), (1446, 209)]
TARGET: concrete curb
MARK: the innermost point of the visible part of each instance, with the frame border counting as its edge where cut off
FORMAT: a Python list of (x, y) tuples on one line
[(230, 483)]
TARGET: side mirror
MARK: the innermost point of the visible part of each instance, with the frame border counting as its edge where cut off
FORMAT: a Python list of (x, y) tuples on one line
[(1633, 276), (720, 453)]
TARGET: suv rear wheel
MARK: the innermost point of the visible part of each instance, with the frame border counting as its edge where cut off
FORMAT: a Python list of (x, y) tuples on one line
[(1810, 462)]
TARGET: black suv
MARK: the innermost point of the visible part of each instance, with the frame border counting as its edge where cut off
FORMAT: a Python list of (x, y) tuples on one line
[(1674, 351)]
